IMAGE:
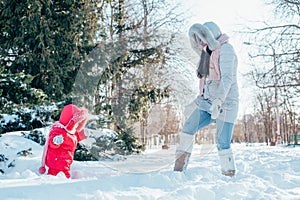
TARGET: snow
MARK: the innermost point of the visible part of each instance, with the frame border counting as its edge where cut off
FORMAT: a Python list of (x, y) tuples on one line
[(263, 172)]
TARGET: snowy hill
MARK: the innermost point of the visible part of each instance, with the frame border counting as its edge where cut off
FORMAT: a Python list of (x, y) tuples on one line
[(263, 173)]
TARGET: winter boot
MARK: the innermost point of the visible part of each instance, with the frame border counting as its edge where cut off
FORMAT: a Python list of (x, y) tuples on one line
[(182, 159), (227, 162), (183, 151)]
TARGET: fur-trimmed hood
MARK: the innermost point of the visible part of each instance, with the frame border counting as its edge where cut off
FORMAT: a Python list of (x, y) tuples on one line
[(209, 32), (214, 29)]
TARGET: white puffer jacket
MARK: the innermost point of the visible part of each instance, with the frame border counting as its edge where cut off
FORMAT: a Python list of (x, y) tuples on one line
[(226, 89)]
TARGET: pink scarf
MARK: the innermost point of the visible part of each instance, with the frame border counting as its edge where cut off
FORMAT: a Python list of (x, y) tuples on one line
[(214, 65)]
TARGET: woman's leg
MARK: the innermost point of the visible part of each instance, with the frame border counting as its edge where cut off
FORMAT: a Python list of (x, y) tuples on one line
[(194, 123), (197, 120), (224, 135)]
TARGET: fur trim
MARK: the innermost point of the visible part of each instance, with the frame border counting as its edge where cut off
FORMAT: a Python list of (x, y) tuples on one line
[(227, 161), (195, 43), (202, 32), (214, 29)]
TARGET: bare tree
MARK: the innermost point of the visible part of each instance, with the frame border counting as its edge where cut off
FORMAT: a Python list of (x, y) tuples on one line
[(275, 56)]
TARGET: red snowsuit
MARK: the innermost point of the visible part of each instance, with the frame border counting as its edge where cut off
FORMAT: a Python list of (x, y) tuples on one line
[(58, 155)]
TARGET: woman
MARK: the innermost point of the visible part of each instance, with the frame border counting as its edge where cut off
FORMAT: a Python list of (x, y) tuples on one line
[(218, 98)]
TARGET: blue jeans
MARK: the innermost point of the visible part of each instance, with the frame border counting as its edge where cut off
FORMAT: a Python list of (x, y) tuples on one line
[(200, 119)]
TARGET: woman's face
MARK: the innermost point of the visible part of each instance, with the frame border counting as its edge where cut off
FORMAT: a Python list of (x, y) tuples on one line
[(199, 41), (202, 43)]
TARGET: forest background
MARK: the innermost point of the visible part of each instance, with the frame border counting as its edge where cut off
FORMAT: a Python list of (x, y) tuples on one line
[(130, 64)]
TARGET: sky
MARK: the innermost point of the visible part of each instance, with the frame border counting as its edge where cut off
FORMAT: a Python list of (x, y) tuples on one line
[(232, 16), (227, 14)]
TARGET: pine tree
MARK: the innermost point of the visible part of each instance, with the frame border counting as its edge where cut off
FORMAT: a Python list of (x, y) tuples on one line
[(126, 90), (46, 41)]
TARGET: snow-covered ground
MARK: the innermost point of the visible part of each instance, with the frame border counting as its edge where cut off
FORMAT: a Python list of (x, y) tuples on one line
[(263, 172)]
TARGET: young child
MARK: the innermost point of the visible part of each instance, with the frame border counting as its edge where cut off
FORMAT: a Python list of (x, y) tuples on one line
[(62, 141)]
